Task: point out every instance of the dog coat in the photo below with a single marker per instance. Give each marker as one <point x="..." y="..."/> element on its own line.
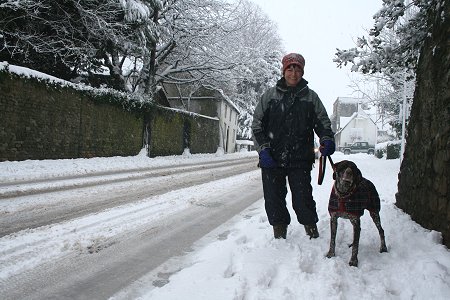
<point x="363" y="196"/>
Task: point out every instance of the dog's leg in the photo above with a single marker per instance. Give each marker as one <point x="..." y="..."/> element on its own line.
<point x="333" y="227"/>
<point x="356" y="222"/>
<point x="376" y="219"/>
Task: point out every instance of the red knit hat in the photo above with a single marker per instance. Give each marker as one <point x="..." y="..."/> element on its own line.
<point x="293" y="59"/>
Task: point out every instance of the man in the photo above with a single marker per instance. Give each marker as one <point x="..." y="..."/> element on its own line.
<point x="283" y="128"/>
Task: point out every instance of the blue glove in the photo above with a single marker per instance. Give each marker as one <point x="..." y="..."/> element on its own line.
<point x="266" y="160"/>
<point x="327" y="147"/>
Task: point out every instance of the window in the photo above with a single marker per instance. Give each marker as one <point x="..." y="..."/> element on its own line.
<point x="356" y="134"/>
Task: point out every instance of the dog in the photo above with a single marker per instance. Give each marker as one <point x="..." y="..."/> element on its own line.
<point x="350" y="196"/>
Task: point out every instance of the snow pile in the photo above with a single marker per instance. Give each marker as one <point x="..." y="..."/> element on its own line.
<point x="241" y="260"/>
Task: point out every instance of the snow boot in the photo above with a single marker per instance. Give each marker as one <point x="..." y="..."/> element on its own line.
<point x="279" y="231"/>
<point x="312" y="231"/>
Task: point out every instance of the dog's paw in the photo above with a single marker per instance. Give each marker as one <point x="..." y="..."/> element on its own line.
<point x="383" y="249"/>
<point x="353" y="262"/>
<point x="330" y="254"/>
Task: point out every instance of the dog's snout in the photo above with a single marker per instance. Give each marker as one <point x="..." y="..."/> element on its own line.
<point x="346" y="178"/>
<point x="347" y="175"/>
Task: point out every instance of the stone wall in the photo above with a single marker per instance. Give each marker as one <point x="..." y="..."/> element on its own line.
<point x="424" y="179"/>
<point x="39" y="120"/>
<point x="170" y="132"/>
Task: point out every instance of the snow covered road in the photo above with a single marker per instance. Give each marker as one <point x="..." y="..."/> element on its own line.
<point x="58" y="239"/>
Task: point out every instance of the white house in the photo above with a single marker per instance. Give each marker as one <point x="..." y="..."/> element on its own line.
<point x="358" y="127"/>
<point x="228" y="114"/>
<point x="244" y="145"/>
<point x="211" y="103"/>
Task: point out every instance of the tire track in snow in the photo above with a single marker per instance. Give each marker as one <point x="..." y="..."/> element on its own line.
<point x="48" y="185"/>
<point x="19" y="213"/>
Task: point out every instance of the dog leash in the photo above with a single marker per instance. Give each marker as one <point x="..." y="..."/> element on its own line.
<point x="322" y="167"/>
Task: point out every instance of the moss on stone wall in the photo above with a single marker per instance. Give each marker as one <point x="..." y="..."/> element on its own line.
<point x="42" y="120"/>
<point x="166" y="133"/>
<point x="108" y="130"/>
<point x="202" y="136"/>
<point x="172" y="132"/>
<point x="37" y="121"/>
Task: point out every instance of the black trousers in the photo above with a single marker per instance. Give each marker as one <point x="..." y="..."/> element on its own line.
<point x="275" y="191"/>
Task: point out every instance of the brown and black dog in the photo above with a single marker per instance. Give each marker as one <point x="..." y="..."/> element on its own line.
<point x="350" y="196"/>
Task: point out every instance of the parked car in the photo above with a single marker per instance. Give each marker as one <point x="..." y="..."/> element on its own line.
<point x="358" y="147"/>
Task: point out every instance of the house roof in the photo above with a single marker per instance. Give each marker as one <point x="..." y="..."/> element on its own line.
<point x="351" y="100"/>
<point x="244" y="142"/>
<point x="174" y="91"/>
<point x="343" y="121"/>
<point x="227" y="99"/>
<point x="361" y="114"/>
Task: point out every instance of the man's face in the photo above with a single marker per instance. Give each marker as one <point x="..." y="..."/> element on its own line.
<point x="292" y="75"/>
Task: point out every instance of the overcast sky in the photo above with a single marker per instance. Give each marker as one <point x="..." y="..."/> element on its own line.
<point x="315" y="29"/>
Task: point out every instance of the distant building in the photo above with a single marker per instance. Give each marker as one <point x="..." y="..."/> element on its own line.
<point x="343" y="109"/>
<point x="208" y="102"/>
<point x="244" y="145"/>
<point x="351" y="123"/>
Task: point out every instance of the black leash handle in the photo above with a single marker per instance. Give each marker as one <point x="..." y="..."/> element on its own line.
<point x="331" y="162"/>
<point x="322" y="167"/>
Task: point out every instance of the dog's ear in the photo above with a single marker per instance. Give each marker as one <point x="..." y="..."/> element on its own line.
<point x="337" y="167"/>
<point x="358" y="175"/>
<point x="356" y="172"/>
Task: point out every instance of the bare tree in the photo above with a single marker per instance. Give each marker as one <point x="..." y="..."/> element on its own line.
<point x="385" y="93"/>
<point x="233" y="47"/>
<point x="73" y="38"/>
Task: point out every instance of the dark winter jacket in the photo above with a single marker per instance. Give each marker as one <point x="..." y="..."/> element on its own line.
<point x="285" y="120"/>
<point x="364" y="196"/>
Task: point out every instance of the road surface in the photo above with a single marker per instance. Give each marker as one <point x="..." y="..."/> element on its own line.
<point x="130" y="222"/>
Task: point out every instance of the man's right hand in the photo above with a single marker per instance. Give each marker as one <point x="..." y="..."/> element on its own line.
<point x="266" y="160"/>
<point x="327" y="147"/>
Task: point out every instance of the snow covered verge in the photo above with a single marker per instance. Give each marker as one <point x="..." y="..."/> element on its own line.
<point x="241" y="260"/>
<point x="11" y="171"/>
